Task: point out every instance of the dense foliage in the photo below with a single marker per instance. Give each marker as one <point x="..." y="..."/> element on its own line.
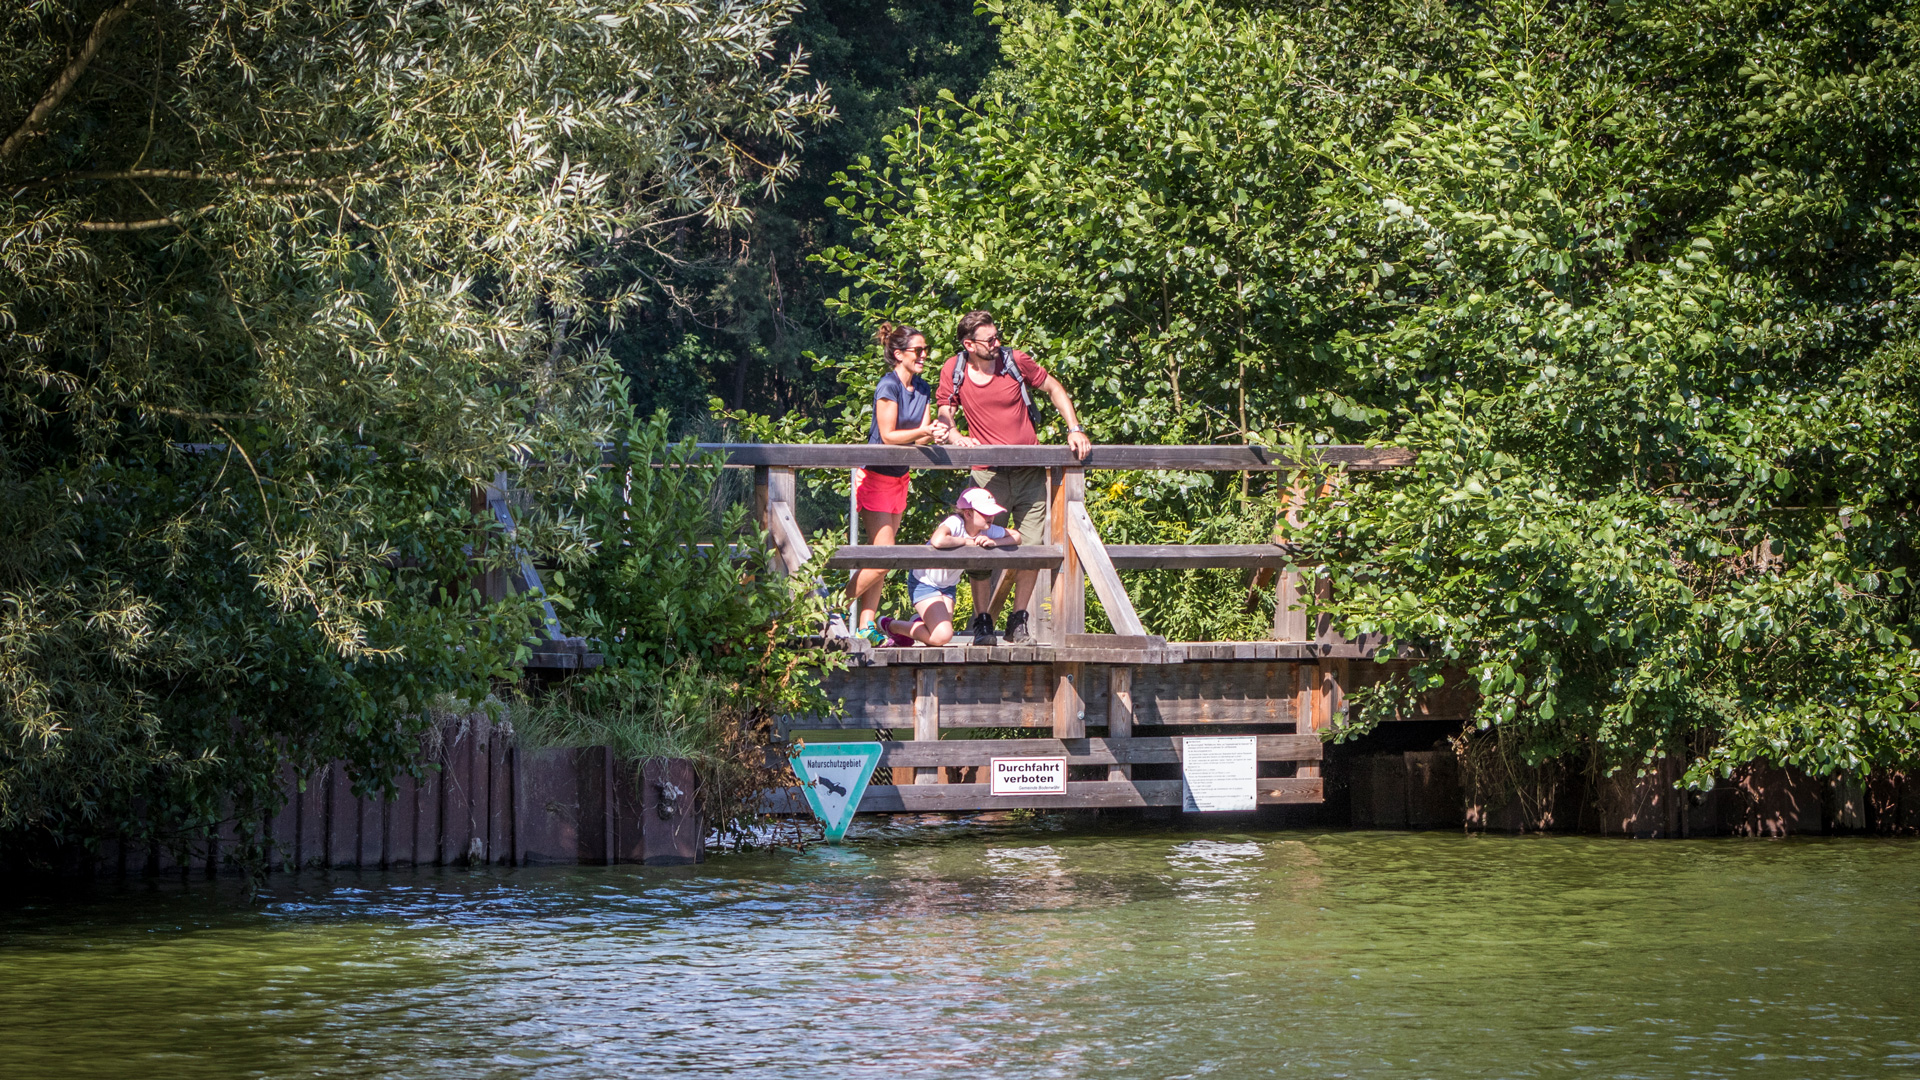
<point x="739" y="308"/>
<point x="280" y="284"/>
<point x="1635" y="280"/>
<point x="705" y="641"/>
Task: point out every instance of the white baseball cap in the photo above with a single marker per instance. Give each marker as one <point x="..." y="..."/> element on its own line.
<point x="979" y="498"/>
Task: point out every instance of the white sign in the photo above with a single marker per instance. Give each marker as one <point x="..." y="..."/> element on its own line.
<point x="1220" y="773"/>
<point x="1029" y="776"/>
<point x="834" y="776"/>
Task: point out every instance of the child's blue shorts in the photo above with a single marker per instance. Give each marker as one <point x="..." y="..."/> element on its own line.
<point x="918" y="591"/>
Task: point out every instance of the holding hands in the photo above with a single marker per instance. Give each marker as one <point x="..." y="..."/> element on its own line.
<point x="951" y="436"/>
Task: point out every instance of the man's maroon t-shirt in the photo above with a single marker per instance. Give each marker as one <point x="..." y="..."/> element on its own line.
<point x="995" y="414"/>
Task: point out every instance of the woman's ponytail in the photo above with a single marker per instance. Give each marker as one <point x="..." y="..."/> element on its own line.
<point x="893" y="337"/>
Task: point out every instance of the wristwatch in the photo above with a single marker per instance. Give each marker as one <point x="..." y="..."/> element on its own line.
<point x="1076" y="428"/>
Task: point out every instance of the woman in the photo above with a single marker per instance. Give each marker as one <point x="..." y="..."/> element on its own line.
<point x="900" y="418"/>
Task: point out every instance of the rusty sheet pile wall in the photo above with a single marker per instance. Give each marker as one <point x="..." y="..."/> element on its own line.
<point x="481" y="800"/>
<point x="1435" y="789"/>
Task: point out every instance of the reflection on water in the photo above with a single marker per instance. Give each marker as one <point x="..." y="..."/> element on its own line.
<point x="1007" y="950"/>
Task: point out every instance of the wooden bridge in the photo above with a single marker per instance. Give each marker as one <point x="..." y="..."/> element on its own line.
<point x="1116" y="706"/>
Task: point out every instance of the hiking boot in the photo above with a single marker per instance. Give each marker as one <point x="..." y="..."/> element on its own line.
<point x="981" y="628"/>
<point x="1018" y="633"/>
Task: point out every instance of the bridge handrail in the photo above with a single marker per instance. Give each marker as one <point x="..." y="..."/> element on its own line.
<point x="1073" y="555"/>
<point x="1183" y="458"/>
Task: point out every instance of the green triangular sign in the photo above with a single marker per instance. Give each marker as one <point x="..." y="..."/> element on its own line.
<point x="834" y="776"/>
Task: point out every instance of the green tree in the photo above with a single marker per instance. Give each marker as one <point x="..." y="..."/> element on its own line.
<point x="741" y="308"/>
<point x="1635" y="281"/>
<point x="280" y="283"/>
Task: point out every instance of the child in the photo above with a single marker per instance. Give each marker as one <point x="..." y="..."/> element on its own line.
<point x="933" y="591"/>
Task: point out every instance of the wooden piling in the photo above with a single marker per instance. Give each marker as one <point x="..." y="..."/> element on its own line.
<point x="926" y="719"/>
<point x="1119" y="714"/>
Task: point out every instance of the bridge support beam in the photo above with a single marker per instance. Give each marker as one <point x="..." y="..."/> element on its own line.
<point x="1068" y="599"/>
<point x="926" y="719"/>
<point x="1069" y="702"/>
<point x="1119" y="714"/>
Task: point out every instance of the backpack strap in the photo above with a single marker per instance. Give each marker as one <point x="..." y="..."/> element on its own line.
<point x="1007" y="367"/>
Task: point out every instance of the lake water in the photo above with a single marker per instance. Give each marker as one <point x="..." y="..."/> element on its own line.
<point x="1011" y="950"/>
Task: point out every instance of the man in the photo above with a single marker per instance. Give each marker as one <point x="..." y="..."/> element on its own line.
<point x="993" y="387"/>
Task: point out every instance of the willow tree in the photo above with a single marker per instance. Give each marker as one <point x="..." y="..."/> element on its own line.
<point x="280" y="282"/>
<point x="1635" y="280"/>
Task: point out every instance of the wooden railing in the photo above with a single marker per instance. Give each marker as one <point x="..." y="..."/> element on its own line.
<point x="1180" y="458"/>
<point x="1072" y="554"/>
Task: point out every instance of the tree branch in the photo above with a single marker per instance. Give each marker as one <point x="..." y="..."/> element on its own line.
<point x="185" y="174"/>
<point x="324" y="187"/>
<point x="337" y="148"/>
<point x="63" y="85"/>
<point x="137" y="226"/>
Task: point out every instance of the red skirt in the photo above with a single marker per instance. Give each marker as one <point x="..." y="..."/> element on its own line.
<point x="882" y="494"/>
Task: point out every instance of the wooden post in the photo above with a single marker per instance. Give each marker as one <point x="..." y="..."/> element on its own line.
<point x="1070" y="584"/>
<point x="1289" y="618"/>
<point x="853" y="538"/>
<point x="926" y="718"/>
<point x="1322" y="696"/>
<point x="1069" y="704"/>
<point x="763" y="513"/>
<point x="1305" y="702"/>
<point x="1290" y="622"/>
<point x="780" y="486"/>
<point x="776" y="500"/>
<point x="762" y="494"/>
<point x="1119" y="714"/>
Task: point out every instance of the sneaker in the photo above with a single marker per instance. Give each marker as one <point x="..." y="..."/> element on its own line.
<point x="872" y="634"/>
<point x="896" y="632"/>
<point x="981" y="628"/>
<point x="1018" y="633"/>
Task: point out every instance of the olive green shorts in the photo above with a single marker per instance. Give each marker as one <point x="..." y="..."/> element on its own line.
<point x="1023" y="491"/>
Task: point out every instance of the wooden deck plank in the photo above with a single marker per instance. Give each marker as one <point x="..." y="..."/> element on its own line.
<point x="1018" y="695"/>
<point x="1160" y="750"/>
<point x="1292" y="790"/>
<point x="1085" y="794"/>
<point x="1215" y="692"/>
<point x="1173" y="652"/>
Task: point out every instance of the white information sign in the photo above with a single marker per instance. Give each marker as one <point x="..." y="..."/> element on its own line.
<point x="1220" y="773"/>
<point x="1028" y="776"/>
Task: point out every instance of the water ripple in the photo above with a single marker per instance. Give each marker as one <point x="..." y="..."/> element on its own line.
<point x="1010" y="948"/>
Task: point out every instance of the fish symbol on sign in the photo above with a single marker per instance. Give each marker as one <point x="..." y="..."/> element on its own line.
<point x="830" y="786"/>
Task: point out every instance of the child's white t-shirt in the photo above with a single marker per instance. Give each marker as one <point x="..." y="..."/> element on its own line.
<point x="943" y="577"/>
